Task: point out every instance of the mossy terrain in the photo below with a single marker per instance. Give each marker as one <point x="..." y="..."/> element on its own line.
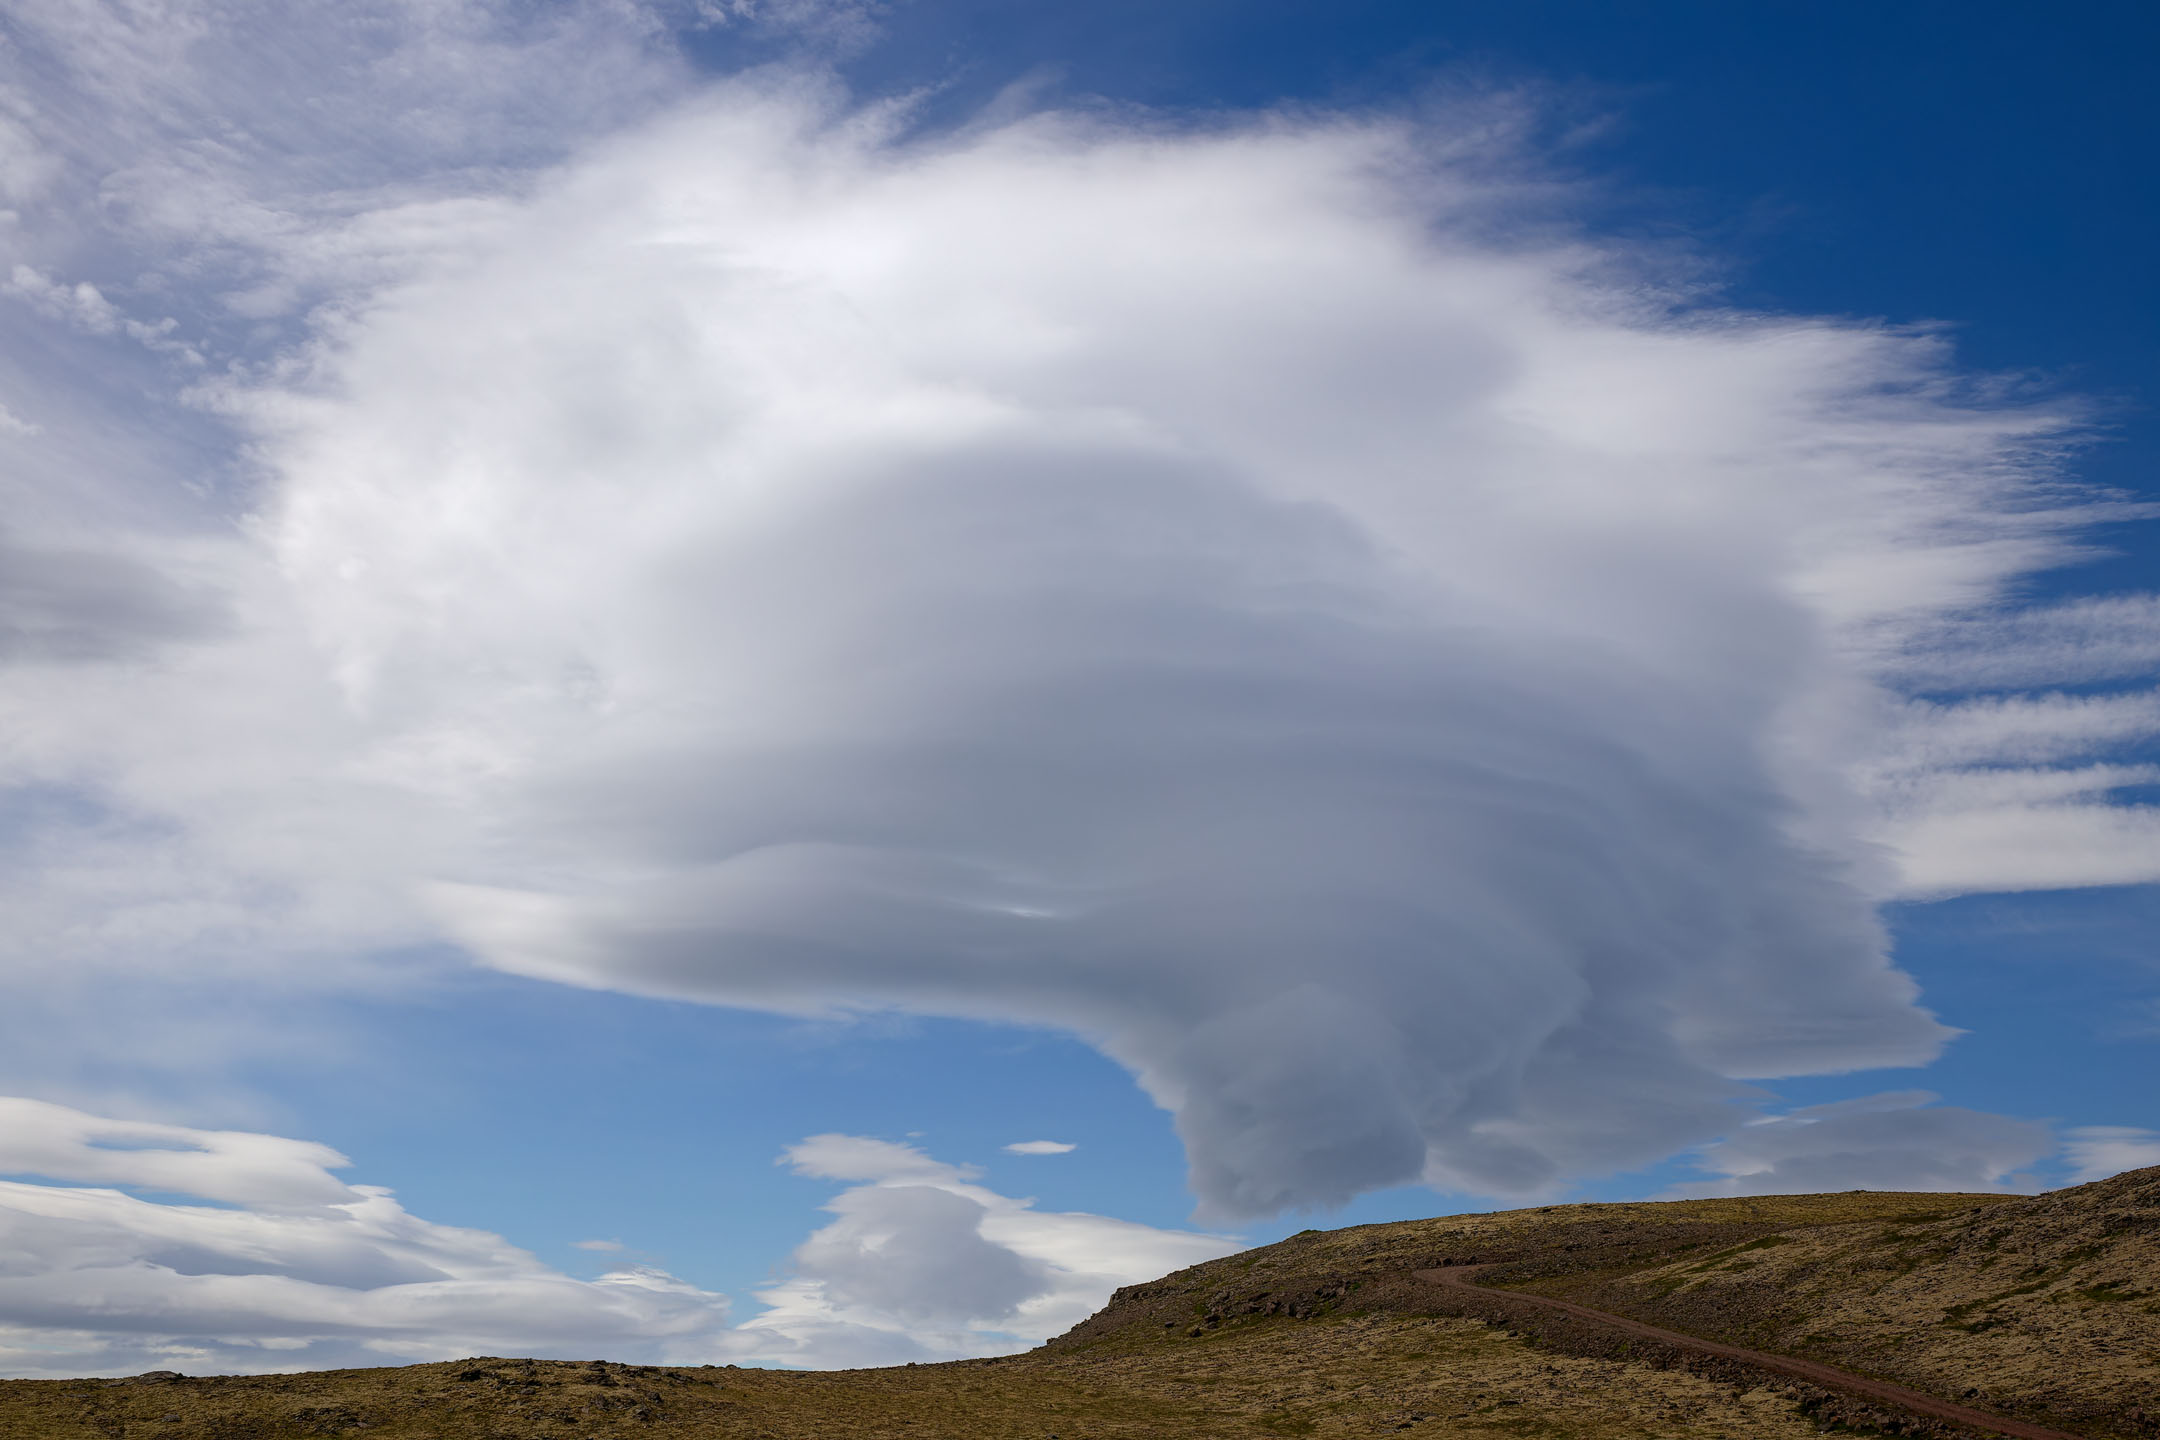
<point x="1325" y="1334"/>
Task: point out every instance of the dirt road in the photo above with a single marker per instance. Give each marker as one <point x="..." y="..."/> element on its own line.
<point x="1915" y="1401"/>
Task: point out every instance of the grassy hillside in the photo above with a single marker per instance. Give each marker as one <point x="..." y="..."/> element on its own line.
<point x="2047" y="1308"/>
<point x="2048" y="1301"/>
<point x="1369" y="1267"/>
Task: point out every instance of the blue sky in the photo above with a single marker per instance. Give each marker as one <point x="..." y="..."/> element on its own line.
<point x="643" y="620"/>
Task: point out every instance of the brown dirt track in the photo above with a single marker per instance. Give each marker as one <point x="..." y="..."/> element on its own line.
<point x="1460" y="1277"/>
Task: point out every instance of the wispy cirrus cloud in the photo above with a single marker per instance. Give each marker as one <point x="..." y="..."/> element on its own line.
<point x="2011" y="785"/>
<point x="2093" y="639"/>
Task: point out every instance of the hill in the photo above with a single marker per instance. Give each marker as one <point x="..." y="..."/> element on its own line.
<point x="2044" y="1308"/>
<point x="2047" y="1308"/>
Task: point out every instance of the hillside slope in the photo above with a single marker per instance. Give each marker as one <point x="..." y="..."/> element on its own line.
<point x="1371" y="1267"/>
<point x="2046" y="1308"/>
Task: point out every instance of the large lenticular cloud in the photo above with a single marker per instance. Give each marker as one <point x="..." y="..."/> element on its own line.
<point x="1390" y="682"/>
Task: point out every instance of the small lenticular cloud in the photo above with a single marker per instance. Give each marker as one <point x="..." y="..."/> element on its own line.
<point x="1040" y="1147"/>
<point x="612" y="1247"/>
<point x="2098" y="1151"/>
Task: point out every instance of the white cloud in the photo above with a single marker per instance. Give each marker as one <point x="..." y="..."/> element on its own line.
<point x="288" y="1267"/>
<point x="2098" y="1151"/>
<point x="605" y="1247"/>
<point x="2023" y="829"/>
<point x="1427" y="704"/>
<point x="858" y="1157"/>
<point x="1897" y="1141"/>
<point x="144" y="1245"/>
<point x="1997" y="731"/>
<point x="1040" y="1147"/>
<point x="1353" y="670"/>
<point x="2098" y="638"/>
<point x="84" y="307"/>
<point x="921" y="1263"/>
<point x="80" y="304"/>
<point x="235" y="1167"/>
<point x="840" y="26"/>
<point x="2019" y="791"/>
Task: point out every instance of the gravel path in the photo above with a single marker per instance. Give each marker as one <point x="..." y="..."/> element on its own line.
<point x="1918" y="1402"/>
